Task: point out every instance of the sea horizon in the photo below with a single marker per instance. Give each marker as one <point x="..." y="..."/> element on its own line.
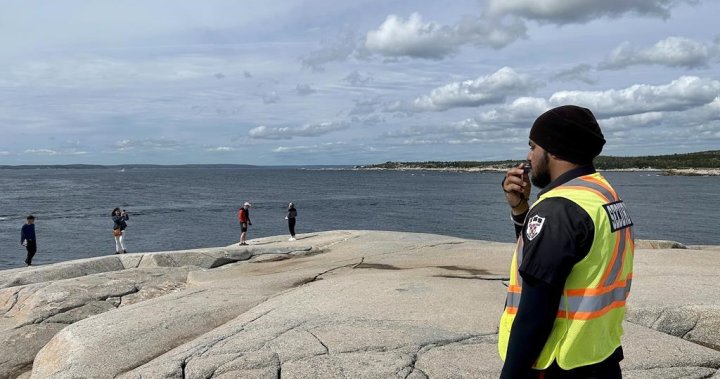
<point x="185" y="208"/>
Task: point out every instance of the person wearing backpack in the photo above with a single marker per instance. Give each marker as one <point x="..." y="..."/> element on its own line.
<point x="244" y="218"/>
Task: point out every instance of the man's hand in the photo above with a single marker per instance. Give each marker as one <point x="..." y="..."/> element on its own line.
<point x="517" y="189"/>
<point x="24" y="243"/>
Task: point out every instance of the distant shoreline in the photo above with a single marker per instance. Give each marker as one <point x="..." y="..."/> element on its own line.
<point x="420" y="167"/>
<point x="665" y="172"/>
<point x="702" y="163"/>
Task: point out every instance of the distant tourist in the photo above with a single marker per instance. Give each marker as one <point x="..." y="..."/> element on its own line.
<point x="573" y="262"/>
<point x="244" y="218"/>
<point x="119" y="218"/>
<point x="291" y="215"/>
<point x="27" y="239"/>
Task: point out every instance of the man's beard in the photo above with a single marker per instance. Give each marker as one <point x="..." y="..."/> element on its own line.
<point x="541" y="175"/>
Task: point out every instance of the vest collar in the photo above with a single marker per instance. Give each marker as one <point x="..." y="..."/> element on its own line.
<point x="568" y="176"/>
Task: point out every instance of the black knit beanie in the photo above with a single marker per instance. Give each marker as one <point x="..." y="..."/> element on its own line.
<point x="569" y="132"/>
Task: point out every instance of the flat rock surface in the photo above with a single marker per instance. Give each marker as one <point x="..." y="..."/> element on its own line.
<point x="355" y="304"/>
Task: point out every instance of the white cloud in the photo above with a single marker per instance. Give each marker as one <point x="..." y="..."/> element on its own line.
<point x="421" y="141"/>
<point x="324" y="147"/>
<point x="220" y="149"/>
<point x="620" y="123"/>
<point x="683" y="93"/>
<point x="41" y="151"/>
<point x="148" y="144"/>
<point x="414" y="38"/>
<point x="467" y="132"/>
<point x="489" y="89"/>
<point x="643" y="102"/>
<point x="397" y="37"/>
<point x="519" y="113"/>
<point x="307" y="130"/>
<point x="581" y="11"/>
<point x="672" y="52"/>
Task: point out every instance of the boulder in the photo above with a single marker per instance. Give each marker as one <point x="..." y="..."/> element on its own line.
<point x="59" y="271"/>
<point x="658" y="244"/>
<point x="109" y="344"/>
<point x="19" y="346"/>
<point x="36" y="312"/>
<point x="697" y="323"/>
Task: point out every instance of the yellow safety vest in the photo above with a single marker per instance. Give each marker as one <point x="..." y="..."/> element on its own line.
<point x="588" y="325"/>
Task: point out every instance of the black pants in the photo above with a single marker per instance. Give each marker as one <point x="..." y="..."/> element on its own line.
<point x="31" y="250"/>
<point x="291" y="226"/>
<point x="602" y="370"/>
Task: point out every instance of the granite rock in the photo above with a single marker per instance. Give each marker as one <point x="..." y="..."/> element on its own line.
<point x="363" y="304"/>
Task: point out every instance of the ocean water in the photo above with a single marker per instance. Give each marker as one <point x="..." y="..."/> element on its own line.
<point x="182" y="208"/>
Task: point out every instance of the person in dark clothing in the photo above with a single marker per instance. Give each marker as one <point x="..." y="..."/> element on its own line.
<point x="27" y="239"/>
<point x="292" y="214"/>
<point x="575" y="245"/>
<point x="119" y="218"/>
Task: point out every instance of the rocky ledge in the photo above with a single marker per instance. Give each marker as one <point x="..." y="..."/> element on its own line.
<point x="356" y="304"/>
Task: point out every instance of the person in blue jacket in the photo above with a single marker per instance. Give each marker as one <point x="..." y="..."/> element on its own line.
<point x="27" y="239"/>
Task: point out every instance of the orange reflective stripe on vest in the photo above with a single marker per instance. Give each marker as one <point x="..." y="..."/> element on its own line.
<point x="582" y="304"/>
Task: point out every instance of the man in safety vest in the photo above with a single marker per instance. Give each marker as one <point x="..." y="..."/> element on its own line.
<point x="572" y="268"/>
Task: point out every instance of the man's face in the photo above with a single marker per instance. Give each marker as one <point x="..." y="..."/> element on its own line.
<point x="31" y="221"/>
<point x="539" y="159"/>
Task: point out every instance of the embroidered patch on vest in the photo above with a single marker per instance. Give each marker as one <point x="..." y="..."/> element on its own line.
<point x="619" y="216"/>
<point x="534" y="226"/>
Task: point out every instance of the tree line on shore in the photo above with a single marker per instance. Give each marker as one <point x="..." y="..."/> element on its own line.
<point x="698" y="160"/>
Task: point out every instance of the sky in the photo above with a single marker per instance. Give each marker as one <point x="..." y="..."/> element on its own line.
<point x="291" y="82"/>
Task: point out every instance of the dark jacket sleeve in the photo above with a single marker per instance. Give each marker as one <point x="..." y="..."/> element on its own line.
<point x="562" y="235"/>
<point x="532" y="326"/>
<point x="22" y="234"/>
<point x="518" y="221"/>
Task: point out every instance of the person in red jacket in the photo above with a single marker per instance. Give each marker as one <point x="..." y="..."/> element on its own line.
<point x="244" y="218"/>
